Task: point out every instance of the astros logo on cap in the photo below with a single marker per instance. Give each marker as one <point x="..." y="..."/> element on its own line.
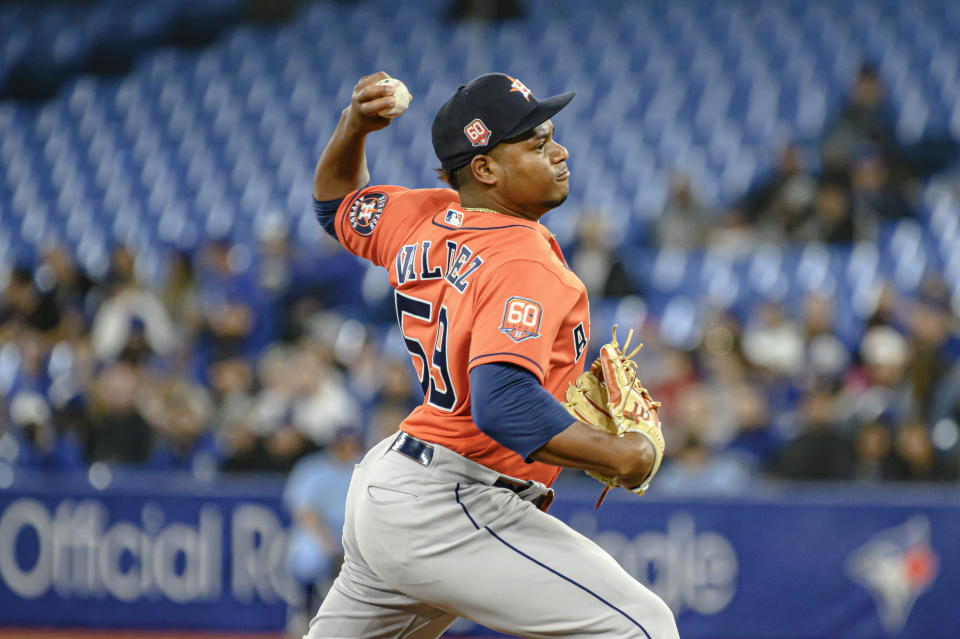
<point x="521" y="88"/>
<point x="477" y="132"/>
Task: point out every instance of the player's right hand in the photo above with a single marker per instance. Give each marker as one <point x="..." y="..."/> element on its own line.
<point x="368" y="100"/>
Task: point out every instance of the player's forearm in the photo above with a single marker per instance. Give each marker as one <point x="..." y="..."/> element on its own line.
<point x="342" y="167"/>
<point x="629" y="457"/>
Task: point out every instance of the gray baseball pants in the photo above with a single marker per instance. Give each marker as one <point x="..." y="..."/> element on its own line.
<point x="427" y="540"/>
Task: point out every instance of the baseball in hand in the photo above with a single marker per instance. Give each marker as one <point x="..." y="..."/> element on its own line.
<point x="400" y="93"/>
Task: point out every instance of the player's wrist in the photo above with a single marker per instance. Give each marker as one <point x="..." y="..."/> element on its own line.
<point x="641" y="458"/>
<point x="353" y="124"/>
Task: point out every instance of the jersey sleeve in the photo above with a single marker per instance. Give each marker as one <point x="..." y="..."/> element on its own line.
<point x="518" y="313"/>
<point x="370" y="222"/>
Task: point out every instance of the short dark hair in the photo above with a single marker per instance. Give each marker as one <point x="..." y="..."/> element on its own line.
<point x="456" y="178"/>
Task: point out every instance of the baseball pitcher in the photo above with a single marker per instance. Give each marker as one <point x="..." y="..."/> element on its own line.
<point x="447" y="517"/>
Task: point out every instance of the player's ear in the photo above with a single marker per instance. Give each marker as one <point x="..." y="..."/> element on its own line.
<point x="483" y="170"/>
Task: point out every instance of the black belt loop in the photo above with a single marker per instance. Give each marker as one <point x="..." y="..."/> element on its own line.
<point x="422" y="453"/>
<point x="419" y="451"/>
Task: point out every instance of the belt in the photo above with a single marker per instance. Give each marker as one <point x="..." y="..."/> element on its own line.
<point x="422" y="453"/>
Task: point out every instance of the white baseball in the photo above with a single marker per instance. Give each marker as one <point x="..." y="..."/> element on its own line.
<point x="400" y="93"/>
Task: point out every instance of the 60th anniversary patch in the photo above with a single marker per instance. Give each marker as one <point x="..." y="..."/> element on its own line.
<point x="365" y="212"/>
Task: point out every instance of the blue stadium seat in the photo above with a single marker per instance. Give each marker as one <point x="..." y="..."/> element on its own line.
<point x="714" y="90"/>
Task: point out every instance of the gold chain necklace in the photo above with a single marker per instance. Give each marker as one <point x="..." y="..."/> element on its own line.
<point x="480" y="209"/>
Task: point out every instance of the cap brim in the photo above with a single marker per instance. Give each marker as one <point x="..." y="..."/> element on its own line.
<point x="545" y="110"/>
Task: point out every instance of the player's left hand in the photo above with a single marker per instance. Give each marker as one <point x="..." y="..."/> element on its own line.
<point x="609" y="397"/>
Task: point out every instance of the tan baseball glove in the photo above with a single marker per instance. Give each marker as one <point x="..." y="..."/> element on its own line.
<point x="609" y="397"/>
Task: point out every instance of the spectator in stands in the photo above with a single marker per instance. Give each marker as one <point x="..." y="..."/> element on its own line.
<point x="26" y="356"/>
<point x="866" y="122"/>
<point x="874" y="199"/>
<point x="671" y="374"/>
<point x="889" y="309"/>
<point x="23" y="305"/>
<point x="874" y="454"/>
<point x="820" y="452"/>
<point x="918" y="459"/>
<point x="127" y="309"/>
<point x="276" y="256"/>
<point x="231" y="382"/>
<point x="226" y="329"/>
<point x="277" y="391"/>
<point x="696" y="414"/>
<point x="183" y="440"/>
<point x="732" y="234"/>
<point x="322" y="404"/>
<point x="39" y="445"/>
<point x="315" y="495"/>
<point x="756" y="442"/>
<point x="268" y="439"/>
<point x="385" y="422"/>
<point x="933" y="349"/>
<point x="119" y="433"/>
<point x="774" y="342"/>
<point x="830" y="220"/>
<point x="244" y="449"/>
<point x="286" y="445"/>
<point x="229" y="304"/>
<point x="880" y="389"/>
<point x="397" y="388"/>
<point x="180" y="295"/>
<point x="827" y="357"/>
<point x="684" y="222"/>
<point x="222" y="270"/>
<point x="275" y="274"/>
<point x="595" y="259"/>
<point x="67" y="284"/>
<point x="780" y="204"/>
<point x="697" y="470"/>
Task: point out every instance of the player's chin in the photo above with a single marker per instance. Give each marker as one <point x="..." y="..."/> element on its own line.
<point x="555" y="202"/>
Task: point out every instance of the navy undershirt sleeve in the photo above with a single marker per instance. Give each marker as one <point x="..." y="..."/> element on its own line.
<point x="511" y="407"/>
<point x="326" y="214"/>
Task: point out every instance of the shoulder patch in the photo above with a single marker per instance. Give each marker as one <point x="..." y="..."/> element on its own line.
<point x="453" y="217"/>
<point x="521" y="319"/>
<point x="365" y="212"/>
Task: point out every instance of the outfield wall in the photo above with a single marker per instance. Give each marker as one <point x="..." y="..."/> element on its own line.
<point x="162" y="551"/>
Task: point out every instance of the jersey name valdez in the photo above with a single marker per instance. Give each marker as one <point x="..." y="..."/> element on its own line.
<point x="470" y="288"/>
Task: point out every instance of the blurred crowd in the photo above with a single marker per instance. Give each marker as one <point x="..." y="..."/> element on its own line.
<point x="250" y="358"/>
<point x="799" y="395"/>
<point x="839" y="189"/>
<point x="226" y="366"/>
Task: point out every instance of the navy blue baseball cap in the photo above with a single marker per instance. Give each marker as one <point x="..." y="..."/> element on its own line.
<point x="483" y="113"/>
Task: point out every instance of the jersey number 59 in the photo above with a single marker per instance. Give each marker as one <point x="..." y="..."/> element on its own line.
<point x="423" y="310"/>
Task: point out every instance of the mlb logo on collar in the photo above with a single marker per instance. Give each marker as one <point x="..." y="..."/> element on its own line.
<point x="453" y="217"/>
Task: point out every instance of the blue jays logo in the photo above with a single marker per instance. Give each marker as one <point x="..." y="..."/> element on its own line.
<point x="453" y="217"/>
<point x="896" y="565"/>
<point x="521" y="319"/>
<point x="365" y="212"/>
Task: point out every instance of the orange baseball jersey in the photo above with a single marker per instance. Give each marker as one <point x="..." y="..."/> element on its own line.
<point x="471" y="288"/>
